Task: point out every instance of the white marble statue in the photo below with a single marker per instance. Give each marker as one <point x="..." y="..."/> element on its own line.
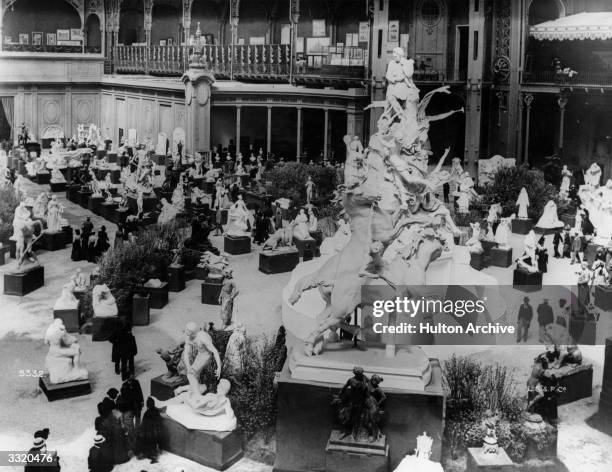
<point x="168" y="212"/>
<point x="487" y="168"/>
<point x="67" y="300"/>
<point x="456" y="172"/>
<point x="63" y="359"/>
<point x="466" y="192"/>
<point x="492" y="218"/>
<point x="309" y="190"/>
<point x="237" y="219"/>
<point x="57" y="177"/>
<point x="523" y="202"/>
<point x="474" y="245"/>
<point x="301" y="229"/>
<point x="234" y="352"/>
<point x="420" y="461"/>
<point x="39" y="210"/>
<point x="565" y="182"/>
<point x="103" y="302"/>
<point x="21" y="218"/>
<point x="313" y="222"/>
<point x="54" y="215"/>
<point x="339" y="240"/>
<point x="528" y="261"/>
<point x="178" y="198"/>
<point x="502" y="234"/>
<point x="592" y="176"/>
<point x="549" y="218"/>
<point x="598" y="202"/>
<point x="80" y="280"/>
<point x="94" y="185"/>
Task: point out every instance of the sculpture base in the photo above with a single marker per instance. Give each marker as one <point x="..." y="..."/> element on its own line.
<point x="301" y="436"/>
<point x="527" y="281"/>
<point x="346" y="454"/>
<point x="43" y="179"/>
<point x="277" y="262"/>
<point x="164" y="390"/>
<point x="72" y="193"/>
<point x="603" y="297"/>
<point x="211" y="449"/>
<point x="102" y="327"/>
<point x="140" y="310"/>
<point x="211" y="288"/>
<point x="22" y="283"/>
<point x="501" y="257"/>
<point x="176" y="278"/>
<point x="63" y="390"/>
<point x="575" y="385"/>
<point x="53" y="241"/>
<point x="410" y="369"/>
<point x="236" y="245"/>
<point x="480" y="461"/>
<point x="58" y="186"/>
<point x="307" y="245"/>
<point x="478" y="261"/>
<point x="488" y="246"/>
<point x="522" y="225"/>
<point x="108" y="210"/>
<point x="546" y="231"/>
<point x="12" y="245"/>
<point x="200" y="273"/>
<point x="120" y="215"/>
<point x="68" y="233"/>
<point x="70" y="317"/>
<point x="83" y="197"/>
<point x="158" y="296"/>
<point x="95" y="204"/>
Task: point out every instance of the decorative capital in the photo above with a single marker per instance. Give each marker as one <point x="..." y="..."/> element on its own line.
<point x="562" y="101"/>
<point x="528" y="99"/>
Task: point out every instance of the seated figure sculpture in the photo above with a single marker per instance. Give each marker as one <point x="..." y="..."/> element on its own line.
<point x="301" y="229"/>
<point x="103" y="302"/>
<point x="474" y="244"/>
<point x="168" y="212"/>
<point x="62" y="361"/>
<point x="67" y="300"/>
<point x="237" y="219"/>
<point x="549" y="218"/>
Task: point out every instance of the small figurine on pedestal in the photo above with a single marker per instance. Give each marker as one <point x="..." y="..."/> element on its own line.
<point x="528" y="261"/>
<point x="67" y="300"/>
<point x="549" y="218"/>
<point x="523" y="202"/>
<point x="237" y="219"/>
<point x="54" y="215"/>
<point x="309" y="190"/>
<point x="420" y="461"/>
<point x="168" y="212"/>
<point x="474" y="245"/>
<point x="493" y="220"/>
<point x="503" y="231"/>
<point x="229" y="291"/>
<point x="489" y="445"/>
<point x="103" y="302"/>
<point x="565" y="182"/>
<point x="62" y="361"/>
<point x="592" y="176"/>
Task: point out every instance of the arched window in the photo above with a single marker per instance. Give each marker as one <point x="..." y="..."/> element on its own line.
<point x="431" y="12"/>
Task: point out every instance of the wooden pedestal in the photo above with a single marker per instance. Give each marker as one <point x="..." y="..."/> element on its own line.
<point x="84" y="197"/>
<point x="53" y="241"/>
<point x="43" y="179"/>
<point x="236" y="244"/>
<point x="603" y="297"/>
<point x="276" y="262"/>
<point x="158" y="296"/>
<point x="72" y="193"/>
<point x="164" y="390"/>
<point x="70" y="317"/>
<point x="95" y="204"/>
<point x="140" y="310"/>
<point x="108" y="210"/>
<point x="57" y="186"/>
<point x="24" y="282"/>
<point x="176" y="278"/>
<point x="303" y="245"/>
<point x="501" y="257"/>
<point x="575" y="385"/>
<point x="211" y="288"/>
<point x="63" y="390"/>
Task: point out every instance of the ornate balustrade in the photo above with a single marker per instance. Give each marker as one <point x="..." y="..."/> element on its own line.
<point x="581" y="78"/>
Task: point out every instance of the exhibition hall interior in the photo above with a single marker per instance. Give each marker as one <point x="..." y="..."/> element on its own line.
<point x="306" y="235"/>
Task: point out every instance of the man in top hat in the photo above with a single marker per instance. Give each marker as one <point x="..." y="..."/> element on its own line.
<point x="525" y="315"/>
<point x="38" y="452"/>
<point x="100" y="457"/>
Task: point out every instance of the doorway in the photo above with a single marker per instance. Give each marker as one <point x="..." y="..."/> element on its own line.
<point x="462" y="41"/>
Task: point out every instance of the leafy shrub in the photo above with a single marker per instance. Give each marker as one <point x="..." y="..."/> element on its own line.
<point x="507" y="185"/>
<point x="8" y="202"/>
<point x="289" y="181"/>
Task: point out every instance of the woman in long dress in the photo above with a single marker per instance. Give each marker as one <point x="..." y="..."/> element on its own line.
<point x="523" y="202"/>
<point x="54" y="211"/>
<point x="76" y="254"/>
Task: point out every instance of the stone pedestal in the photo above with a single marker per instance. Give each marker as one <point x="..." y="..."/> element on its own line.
<point x="200" y="273"/>
<point x="43" y="179"/>
<point x="67" y="230"/>
<point x="163" y="389"/>
<point x="211" y="288"/>
<point x="63" y="390"/>
<point x="522" y="225"/>
<point x="72" y="193"/>
<point x="70" y="317"/>
<point x="57" y="186"/>
<point x="83" y="196"/>
<point x="108" y="210"/>
<point x="346" y="454"/>
<point x="501" y="257"/>
<point x="24" y="282"/>
<point x="527" y="281"/>
<point x="121" y="215"/>
<point x="603" y="297"/>
<point x="488" y="246"/>
<point x="211" y="449"/>
<point x="479" y="461"/>
<point x="149" y="203"/>
<point x="53" y="241"/>
<point x="140" y="310"/>
<point x="478" y="261"/>
<point x="158" y="296"/>
<point x="103" y="327"/>
<point x="95" y="204"/>
<point x="305" y="421"/>
<point x="575" y="385"/>
<point x="276" y="262"/>
<point x="176" y="278"/>
<point x="304" y="244"/>
<point x="236" y="244"/>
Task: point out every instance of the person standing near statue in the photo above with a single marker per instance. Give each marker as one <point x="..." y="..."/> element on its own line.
<point x="525" y="316"/>
<point x="545" y="317"/>
<point x="229" y="291"/>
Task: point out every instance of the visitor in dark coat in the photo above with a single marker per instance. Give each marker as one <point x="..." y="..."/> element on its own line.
<point x="76" y="253"/>
<point x="149" y="434"/>
<point x="261" y="228"/>
<point x="102" y="244"/>
<point x="124" y="350"/>
<point x="587" y="227"/>
<point x="100" y="457"/>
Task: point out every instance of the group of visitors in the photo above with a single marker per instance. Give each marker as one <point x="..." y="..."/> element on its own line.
<point x="87" y="245"/>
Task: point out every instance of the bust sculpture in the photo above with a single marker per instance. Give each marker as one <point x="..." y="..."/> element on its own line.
<point x="103" y="302"/>
<point x="62" y="361"/>
<point x="420" y="461"/>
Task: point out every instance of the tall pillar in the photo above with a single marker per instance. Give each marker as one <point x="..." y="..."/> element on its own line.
<point x="326" y="133"/>
<point x="380" y="54"/>
<point x="186" y="21"/>
<point x="528" y="100"/>
<point x="148" y="20"/>
<point x="294" y="18"/>
<point x="238" y="119"/>
<point x="269" y="131"/>
<point x="354" y="122"/>
<point x="516" y="40"/>
<point x="562" y="102"/>
<point x="299" y="135"/>
<point x="473" y="98"/>
<point x="197" y="81"/>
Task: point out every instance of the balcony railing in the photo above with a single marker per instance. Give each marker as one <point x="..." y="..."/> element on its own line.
<point x="581" y="78"/>
<point x="12" y="47"/>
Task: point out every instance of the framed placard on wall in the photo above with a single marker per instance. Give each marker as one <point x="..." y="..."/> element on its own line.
<point x="37" y="39"/>
<point x="51" y="39"/>
<point x="76" y="34"/>
<point x="24" y="38"/>
<point x="393" y="36"/>
<point x="63" y="35"/>
<point x="364" y="31"/>
<point x="318" y="28"/>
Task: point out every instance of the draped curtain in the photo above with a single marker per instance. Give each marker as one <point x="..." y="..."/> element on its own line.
<point x="8" y="104"/>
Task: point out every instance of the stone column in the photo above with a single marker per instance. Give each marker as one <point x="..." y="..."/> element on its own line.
<point x="269" y="131"/>
<point x="562" y="102"/>
<point x="354" y="122"/>
<point x="238" y="119"/>
<point x="326" y="133"/>
<point x="379" y="17"/>
<point x="299" y="135"/>
<point x="187" y="20"/>
<point x="148" y="20"/>
<point x="528" y="100"/>
<point x="294" y="18"/>
<point x="197" y="81"/>
<point x="514" y="98"/>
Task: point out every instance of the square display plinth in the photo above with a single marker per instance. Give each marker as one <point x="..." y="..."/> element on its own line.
<point x="108" y="210"/>
<point x="176" y="278"/>
<point x="522" y="225"/>
<point x="70" y="317"/>
<point x="158" y="296"/>
<point x="488" y="246"/>
<point x="63" y="390"/>
<point x="218" y="450"/>
<point x="527" y="281"/>
<point x="84" y="197"/>
<point x="102" y="327"/>
<point x="277" y="262"/>
<point x="211" y="288"/>
<point x="43" y="179"/>
<point x="95" y="204"/>
<point x="603" y="297"/>
<point x="480" y="461"/>
<point x="163" y="389"/>
<point x="24" y="282"/>
<point x="72" y="193"/>
<point x="236" y="244"/>
<point x="478" y="261"/>
<point x="346" y="454"/>
<point x="54" y="241"/>
<point x="57" y="186"/>
<point x="501" y="257"/>
<point x="140" y="310"/>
